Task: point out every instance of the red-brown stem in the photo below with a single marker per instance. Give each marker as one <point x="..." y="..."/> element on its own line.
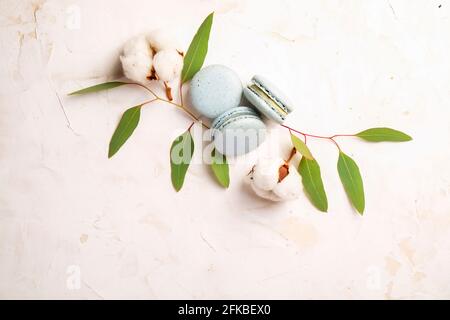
<point x="342" y="135"/>
<point x="145" y="87"/>
<point x="181" y="106"/>
<point x="168" y="91"/>
<point x="319" y="137"/>
<point x="189" y="129"/>
<point x="339" y="148"/>
<point x="293" y="151"/>
<point x="149" y="101"/>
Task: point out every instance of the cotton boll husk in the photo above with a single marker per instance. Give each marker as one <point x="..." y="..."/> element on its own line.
<point x="266" y="173"/>
<point x="290" y="187"/>
<point x="162" y="40"/>
<point x="137" y="59"/>
<point x="266" y="194"/>
<point x="168" y="64"/>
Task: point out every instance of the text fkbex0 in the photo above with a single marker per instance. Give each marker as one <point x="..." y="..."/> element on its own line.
<point x="235" y="309"/>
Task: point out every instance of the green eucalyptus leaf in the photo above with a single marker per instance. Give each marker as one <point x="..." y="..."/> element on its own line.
<point x="301" y="147"/>
<point x="125" y="128"/>
<point x="196" y="54"/>
<point x="220" y="168"/>
<point x="352" y="181"/>
<point x="313" y="184"/>
<point x="99" y="87"/>
<point x="181" y="153"/>
<point x="383" y="134"/>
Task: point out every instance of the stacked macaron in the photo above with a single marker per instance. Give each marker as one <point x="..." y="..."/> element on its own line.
<point x="268" y="99"/>
<point x="238" y="131"/>
<point x="216" y="93"/>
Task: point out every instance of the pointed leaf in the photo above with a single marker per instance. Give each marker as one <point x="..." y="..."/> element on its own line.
<point x="383" y="134"/>
<point x="352" y="181"/>
<point x="99" y="87"/>
<point x="220" y="168"/>
<point x="127" y="124"/>
<point x="196" y="54"/>
<point x="312" y="182"/>
<point x="301" y="147"/>
<point x="180" y="156"/>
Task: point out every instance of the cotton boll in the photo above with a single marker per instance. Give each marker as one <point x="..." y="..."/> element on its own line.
<point x="136" y="45"/>
<point x="168" y="64"/>
<point x="274" y="179"/>
<point x="136" y="67"/>
<point x="162" y="40"/>
<point x="266" y="173"/>
<point x="248" y="179"/>
<point x="265" y="194"/>
<point x="290" y="187"/>
<point x="137" y="59"/>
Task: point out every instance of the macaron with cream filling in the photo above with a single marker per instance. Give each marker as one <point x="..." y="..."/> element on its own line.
<point x="268" y="99"/>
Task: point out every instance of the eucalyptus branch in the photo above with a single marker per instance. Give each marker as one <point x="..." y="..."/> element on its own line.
<point x="178" y="105"/>
<point x="331" y="138"/>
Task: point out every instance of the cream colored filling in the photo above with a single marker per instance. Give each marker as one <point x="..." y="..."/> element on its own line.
<point x="263" y="95"/>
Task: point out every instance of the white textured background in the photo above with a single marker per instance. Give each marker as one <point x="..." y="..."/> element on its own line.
<point x="68" y="211"/>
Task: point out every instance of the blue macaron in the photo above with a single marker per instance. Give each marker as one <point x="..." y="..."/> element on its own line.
<point x="268" y="99"/>
<point x="238" y="131"/>
<point x="214" y="90"/>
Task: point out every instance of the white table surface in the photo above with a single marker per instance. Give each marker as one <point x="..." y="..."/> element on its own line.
<point x="74" y="224"/>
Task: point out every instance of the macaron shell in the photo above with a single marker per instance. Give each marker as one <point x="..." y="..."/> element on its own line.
<point x="234" y="112"/>
<point x="263" y="107"/>
<point x="240" y="137"/>
<point x="240" y="131"/>
<point x="215" y="89"/>
<point x="274" y="91"/>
